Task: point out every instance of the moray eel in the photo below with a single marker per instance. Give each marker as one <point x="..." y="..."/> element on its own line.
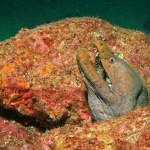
<point x="113" y="86"/>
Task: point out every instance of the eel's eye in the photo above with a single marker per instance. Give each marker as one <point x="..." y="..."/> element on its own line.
<point x="112" y="60"/>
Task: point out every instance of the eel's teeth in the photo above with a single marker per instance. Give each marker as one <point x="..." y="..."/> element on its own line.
<point x="109" y="83"/>
<point x="107" y="80"/>
<point x="101" y="70"/>
<point x="98" y="65"/>
<point x="96" y="52"/>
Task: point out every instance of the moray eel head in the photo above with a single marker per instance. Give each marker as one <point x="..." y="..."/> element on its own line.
<point x="113" y="86"/>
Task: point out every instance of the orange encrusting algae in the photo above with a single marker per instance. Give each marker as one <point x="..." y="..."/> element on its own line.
<point x="7" y="67"/>
<point x="21" y="83"/>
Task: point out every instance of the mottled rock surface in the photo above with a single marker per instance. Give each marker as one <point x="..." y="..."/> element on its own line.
<point x="14" y="136"/>
<point x="39" y="78"/>
<point x="130" y="132"/>
<point x="39" y="75"/>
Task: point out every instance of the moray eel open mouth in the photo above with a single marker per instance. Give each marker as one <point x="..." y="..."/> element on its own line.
<point x="114" y="87"/>
<point x="100" y="70"/>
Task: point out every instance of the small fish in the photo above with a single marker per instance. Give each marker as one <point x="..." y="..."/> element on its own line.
<point x="114" y="87"/>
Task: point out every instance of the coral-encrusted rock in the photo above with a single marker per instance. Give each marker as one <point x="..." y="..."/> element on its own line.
<point x="130" y="132"/>
<point x="13" y="136"/>
<point x="39" y="76"/>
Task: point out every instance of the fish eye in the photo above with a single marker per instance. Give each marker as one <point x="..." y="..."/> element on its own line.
<point x="112" y="60"/>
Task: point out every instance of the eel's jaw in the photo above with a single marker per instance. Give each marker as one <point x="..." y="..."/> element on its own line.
<point x="108" y="60"/>
<point x="100" y="110"/>
<point x="101" y="71"/>
<point x="95" y="77"/>
<point x="98" y="90"/>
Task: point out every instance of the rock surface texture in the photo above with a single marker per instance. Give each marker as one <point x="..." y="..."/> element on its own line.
<point x="39" y="78"/>
<point x="130" y="132"/>
<point x="13" y="136"/>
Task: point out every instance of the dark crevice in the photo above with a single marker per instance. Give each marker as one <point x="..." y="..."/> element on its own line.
<point x="26" y="121"/>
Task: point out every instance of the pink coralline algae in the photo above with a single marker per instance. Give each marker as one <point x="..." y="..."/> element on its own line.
<point x="14" y="136"/>
<point x="39" y="76"/>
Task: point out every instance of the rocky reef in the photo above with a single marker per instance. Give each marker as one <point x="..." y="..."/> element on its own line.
<point x="129" y="132"/>
<point x="40" y="79"/>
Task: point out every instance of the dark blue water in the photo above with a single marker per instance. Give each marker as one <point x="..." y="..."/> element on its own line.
<point x="15" y="14"/>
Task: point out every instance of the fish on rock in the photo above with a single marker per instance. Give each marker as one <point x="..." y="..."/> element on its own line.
<point x="113" y="86"/>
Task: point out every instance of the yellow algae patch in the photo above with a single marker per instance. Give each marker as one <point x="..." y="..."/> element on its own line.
<point x="2" y="52"/>
<point x="47" y="69"/>
<point x="7" y="67"/>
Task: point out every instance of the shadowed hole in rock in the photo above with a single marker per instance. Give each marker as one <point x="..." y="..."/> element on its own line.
<point x="27" y="121"/>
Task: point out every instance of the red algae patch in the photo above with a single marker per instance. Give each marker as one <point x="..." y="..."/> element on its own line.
<point x="38" y="70"/>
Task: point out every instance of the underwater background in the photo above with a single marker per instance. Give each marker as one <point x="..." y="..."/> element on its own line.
<point x="17" y="14"/>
